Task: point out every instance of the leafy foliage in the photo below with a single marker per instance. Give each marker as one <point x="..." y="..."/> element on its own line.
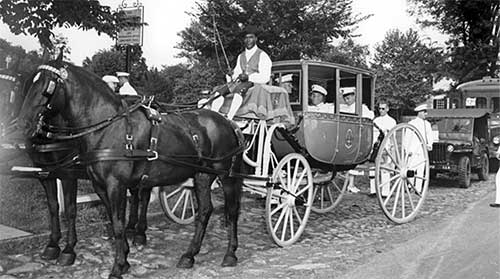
<point x="23" y="63"/>
<point x="347" y="53"/>
<point x="40" y="17"/>
<point x="405" y="69"/>
<point x="288" y="29"/>
<point x="474" y="27"/>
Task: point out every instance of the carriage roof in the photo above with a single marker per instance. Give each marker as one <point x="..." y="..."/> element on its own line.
<point x="324" y="64"/>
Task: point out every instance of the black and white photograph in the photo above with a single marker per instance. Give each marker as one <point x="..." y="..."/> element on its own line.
<point x="346" y="139"/>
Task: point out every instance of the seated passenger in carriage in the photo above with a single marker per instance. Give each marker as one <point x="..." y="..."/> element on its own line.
<point x="349" y="105"/>
<point x="111" y="81"/>
<point x="125" y="87"/>
<point x="317" y="100"/>
<point x="253" y="67"/>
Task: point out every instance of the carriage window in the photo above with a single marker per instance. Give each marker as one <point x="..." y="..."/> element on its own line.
<point x="480" y="102"/>
<point x="290" y="81"/>
<point x="495" y="104"/>
<point x="347" y="100"/>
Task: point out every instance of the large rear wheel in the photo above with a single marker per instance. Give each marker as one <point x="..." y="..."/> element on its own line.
<point x="288" y="202"/>
<point x="402" y="173"/>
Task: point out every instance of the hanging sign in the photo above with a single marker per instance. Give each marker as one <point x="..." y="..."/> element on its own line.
<point x="132" y="35"/>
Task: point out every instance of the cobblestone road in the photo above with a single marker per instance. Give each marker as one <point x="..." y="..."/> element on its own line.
<point x="332" y="244"/>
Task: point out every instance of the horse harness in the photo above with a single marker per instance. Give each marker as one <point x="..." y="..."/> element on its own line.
<point x="129" y="153"/>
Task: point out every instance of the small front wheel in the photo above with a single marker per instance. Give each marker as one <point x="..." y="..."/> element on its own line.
<point x="289" y="201"/>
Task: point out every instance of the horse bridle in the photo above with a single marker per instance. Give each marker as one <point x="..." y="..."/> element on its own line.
<point x="48" y="93"/>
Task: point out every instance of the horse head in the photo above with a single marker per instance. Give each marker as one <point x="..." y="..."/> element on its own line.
<point x="45" y="95"/>
<point x="60" y="88"/>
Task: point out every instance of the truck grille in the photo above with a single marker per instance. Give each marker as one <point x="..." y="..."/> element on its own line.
<point x="438" y="153"/>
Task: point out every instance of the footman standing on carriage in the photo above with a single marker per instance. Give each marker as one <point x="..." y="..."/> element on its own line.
<point x="253" y="66"/>
<point x="125" y="87"/>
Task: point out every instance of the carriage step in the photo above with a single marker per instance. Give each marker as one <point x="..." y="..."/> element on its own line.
<point x="9" y="232"/>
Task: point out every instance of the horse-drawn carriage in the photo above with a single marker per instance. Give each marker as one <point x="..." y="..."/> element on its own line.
<point x="297" y="158"/>
<point x="301" y="158"/>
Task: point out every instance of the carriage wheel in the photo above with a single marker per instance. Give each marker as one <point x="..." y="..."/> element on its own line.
<point x="178" y="203"/>
<point x="328" y="195"/>
<point x="402" y="173"/>
<point x="288" y="203"/>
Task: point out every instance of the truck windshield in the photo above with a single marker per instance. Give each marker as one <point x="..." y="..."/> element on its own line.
<point x="454" y="129"/>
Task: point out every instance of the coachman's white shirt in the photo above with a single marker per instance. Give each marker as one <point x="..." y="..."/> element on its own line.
<point x="265" y="65"/>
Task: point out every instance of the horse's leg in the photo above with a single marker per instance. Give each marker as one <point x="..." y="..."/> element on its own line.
<point x="68" y="255"/>
<point x="117" y="195"/>
<point x="202" y="184"/>
<point x="132" y="215"/>
<point x="101" y="192"/>
<point x="52" y="250"/>
<point x="142" y="225"/>
<point x="232" y="200"/>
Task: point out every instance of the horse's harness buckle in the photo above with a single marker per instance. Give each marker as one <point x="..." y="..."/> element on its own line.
<point x="155" y="155"/>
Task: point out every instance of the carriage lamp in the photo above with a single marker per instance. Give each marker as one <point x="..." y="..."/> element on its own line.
<point x="496" y="140"/>
<point x="450" y="148"/>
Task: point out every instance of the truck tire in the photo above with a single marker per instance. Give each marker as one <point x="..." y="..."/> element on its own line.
<point x="464" y="172"/>
<point x="482" y="171"/>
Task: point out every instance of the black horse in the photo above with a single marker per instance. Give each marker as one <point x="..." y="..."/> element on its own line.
<point x="197" y="144"/>
<point x="44" y="152"/>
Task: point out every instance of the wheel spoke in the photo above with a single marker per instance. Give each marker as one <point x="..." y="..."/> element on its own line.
<point x="395" y="147"/>
<point x="174" y="192"/>
<point x="301" y="191"/>
<point x="292" y="229"/>
<point x="417" y="165"/>
<point x="297" y="182"/>
<point x="280" y="218"/>
<point x="192" y="205"/>
<point x="388" y="181"/>
<point x="285" y="225"/>
<point x="294" y="179"/>
<point x="278" y="207"/>
<point x="410" y="199"/>
<point x="184" y="207"/>
<point x="387" y="169"/>
<point x="390" y="192"/>
<point x="403" y="215"/>
<point x="179" y="200"/>
<point x="415" y="189"/>
<point x="299" y="218"/>
<point x="396" y="200"/>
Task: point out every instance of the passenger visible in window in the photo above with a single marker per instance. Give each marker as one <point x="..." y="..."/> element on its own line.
<point x="349" y="106"/>
<point x="317" y="100"/>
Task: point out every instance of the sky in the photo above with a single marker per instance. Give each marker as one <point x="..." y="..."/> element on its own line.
<point x="168" y="17"/>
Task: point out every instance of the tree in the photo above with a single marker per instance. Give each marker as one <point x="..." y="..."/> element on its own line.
<point x="347" y="53"/>
<point x="288" y="29"/>
<point x="474" y="29"/>
<point x="406" y="69"/>
<point x="40" y="17"/>
<point x="23" y="63"/>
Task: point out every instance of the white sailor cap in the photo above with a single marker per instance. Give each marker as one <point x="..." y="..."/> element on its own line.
<point x="122" y="74"/>
<point x="347" y="90"/>
<point x="109" y="78"/>
<point x="286" y="78"/>
<point x="320" y="89"/>
<point x="421" y="107"/>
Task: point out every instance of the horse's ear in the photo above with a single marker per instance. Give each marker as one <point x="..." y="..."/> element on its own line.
<point x="60" y="56"/>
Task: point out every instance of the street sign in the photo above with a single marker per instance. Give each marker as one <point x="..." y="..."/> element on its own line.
<point x="132" y="35"/>
<point x="470" y="102"/>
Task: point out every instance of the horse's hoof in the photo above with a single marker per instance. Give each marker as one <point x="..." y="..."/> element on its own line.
<point x="185" y="262"/>
<point x="125" y="267"/>
<point x="114" y="276"/>
<point x="50" y="253"/>
<point x="67" y="258"/>
<point x="139" y="239"/>
<point x="229" y="261"/>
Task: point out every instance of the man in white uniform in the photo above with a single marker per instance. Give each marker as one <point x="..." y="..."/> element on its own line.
<point x="125" y="87"/>
<point x="349" y="105"/>
<point x="385" y="122"/>
<point x="412" y="144"/>
<point x="317" y="98"/>
<point x="111" y="81"/>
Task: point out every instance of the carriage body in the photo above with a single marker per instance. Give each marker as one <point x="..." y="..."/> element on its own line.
<point x="332" y="138"/>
